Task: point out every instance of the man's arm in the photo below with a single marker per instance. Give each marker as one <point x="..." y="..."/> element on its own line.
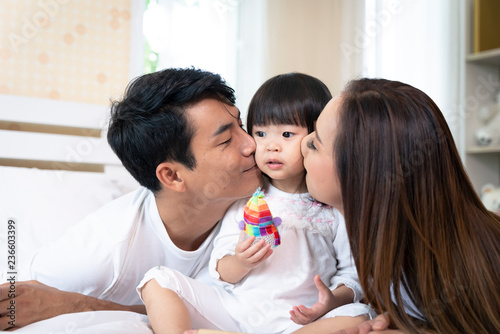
<point x="35" y="301"/>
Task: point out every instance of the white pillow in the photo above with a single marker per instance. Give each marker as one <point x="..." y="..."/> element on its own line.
<point x="42" y="204"/>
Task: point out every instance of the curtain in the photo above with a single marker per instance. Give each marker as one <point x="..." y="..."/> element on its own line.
<point x="252" y="51"/>
<point x="316" y="37"/>
<point x="419" y="43"/>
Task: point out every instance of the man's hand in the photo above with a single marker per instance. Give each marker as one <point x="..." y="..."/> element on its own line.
<point x="302" y="315"/>
<point x="35" y="301"/>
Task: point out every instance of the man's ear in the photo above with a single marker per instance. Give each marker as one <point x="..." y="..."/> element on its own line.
<point x="168" y="174"/>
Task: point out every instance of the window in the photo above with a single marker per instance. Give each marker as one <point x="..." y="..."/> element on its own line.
<point x="185" y="33"/>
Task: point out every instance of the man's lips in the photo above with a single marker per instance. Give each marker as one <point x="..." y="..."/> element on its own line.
<point x="254" y="167"/>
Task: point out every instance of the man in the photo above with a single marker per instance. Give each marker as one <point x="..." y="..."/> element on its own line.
<point x="179" y="134"/>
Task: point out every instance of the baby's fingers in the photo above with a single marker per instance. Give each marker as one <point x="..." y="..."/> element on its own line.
<point x="296" y="316"/>
<point x="299" y="315"/>
<point x="244" y="245"/>
<point x="262" y="251"/>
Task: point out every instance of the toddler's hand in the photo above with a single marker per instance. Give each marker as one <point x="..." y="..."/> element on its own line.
<point x="250" y="256"/>
<point x="302" y="315"/>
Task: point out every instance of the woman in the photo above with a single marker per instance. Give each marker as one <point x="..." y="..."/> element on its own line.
<point x="426" y="249"/>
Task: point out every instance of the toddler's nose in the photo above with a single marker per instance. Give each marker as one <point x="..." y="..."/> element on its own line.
<point x="273" y="147"/>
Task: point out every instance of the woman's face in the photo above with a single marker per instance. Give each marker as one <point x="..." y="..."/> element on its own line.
<point x="317" y="149"/>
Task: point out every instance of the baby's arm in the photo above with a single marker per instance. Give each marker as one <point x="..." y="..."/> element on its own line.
<point x="327" y="301"/>
<point x="232" y="268"/>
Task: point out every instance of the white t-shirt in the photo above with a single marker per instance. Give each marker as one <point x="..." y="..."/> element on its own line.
<point x="107" y="254"/>
<point x="313" y="241"/>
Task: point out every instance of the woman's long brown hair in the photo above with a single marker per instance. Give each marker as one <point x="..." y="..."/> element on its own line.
<point x="414" y="221"/>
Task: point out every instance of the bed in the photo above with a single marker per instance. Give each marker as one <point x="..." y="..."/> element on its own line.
<point x="55" y="168"/>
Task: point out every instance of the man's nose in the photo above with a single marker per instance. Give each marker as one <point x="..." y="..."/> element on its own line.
<point x="249" y="146"/>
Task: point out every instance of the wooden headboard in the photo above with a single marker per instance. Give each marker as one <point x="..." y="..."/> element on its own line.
<point x="51" y="134"/>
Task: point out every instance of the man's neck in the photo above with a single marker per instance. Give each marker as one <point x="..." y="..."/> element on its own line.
<point x="187" y="222"/>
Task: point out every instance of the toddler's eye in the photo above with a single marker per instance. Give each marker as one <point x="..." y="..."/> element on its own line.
<point x="287" y="134"/>
<point x="310" y="145"/>
<point x="260" y="134"/>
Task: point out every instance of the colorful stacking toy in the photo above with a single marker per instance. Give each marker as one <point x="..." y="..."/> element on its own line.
<point x="258" y="220"/>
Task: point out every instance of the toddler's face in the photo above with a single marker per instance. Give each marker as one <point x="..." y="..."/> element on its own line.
<point x="278" y="154"/>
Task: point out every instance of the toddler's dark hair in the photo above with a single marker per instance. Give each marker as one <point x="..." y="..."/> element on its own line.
<point x="292" y="98"/>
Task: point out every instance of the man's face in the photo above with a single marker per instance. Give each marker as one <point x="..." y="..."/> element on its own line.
<point x="224" y="152"/>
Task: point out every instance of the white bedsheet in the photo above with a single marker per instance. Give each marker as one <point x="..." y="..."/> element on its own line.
<point x="96" y="322"/>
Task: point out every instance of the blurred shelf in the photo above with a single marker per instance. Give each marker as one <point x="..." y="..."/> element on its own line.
<point x="489" y="57"/>
<point x="483" y="149"/>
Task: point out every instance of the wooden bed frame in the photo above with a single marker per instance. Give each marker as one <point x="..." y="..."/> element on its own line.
<point x="54" y="135"/>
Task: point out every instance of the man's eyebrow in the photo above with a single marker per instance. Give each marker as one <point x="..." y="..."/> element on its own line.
<point x="317" y="135"/>
<point x="227" y="126"/>
<point x="223" y="128"/>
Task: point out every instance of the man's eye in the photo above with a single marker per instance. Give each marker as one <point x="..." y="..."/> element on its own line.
<point x="226" y="142"/>
<point x="260" y="134"/>
<point x="310" y="145"/>
<point x="287" y="134"/>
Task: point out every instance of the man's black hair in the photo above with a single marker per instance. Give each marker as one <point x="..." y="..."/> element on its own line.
<point x="149" y="126"/>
